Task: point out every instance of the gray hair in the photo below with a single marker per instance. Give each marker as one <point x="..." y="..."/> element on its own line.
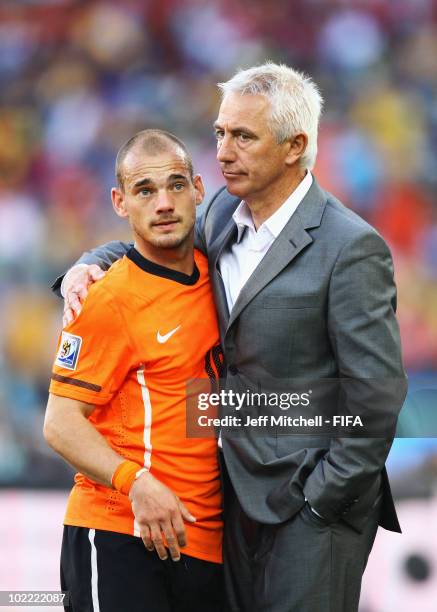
<point x="296" y="103"/>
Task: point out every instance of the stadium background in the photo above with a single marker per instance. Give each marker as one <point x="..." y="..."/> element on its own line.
<point x="78" y="78"/>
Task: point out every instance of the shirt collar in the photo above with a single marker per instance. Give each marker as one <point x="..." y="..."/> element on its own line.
<point x="276" y="222"/>
<point x="243" y="219"/>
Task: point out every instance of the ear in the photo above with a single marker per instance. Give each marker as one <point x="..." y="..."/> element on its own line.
<point x="199" y="189"/>
<point x="298" y="144"/>
<point x="118" y="202"/>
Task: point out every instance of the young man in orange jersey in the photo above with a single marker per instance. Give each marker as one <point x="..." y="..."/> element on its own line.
<point x="116" y="409"/>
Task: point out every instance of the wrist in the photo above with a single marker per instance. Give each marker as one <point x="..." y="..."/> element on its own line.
<point x="125" y="475"/>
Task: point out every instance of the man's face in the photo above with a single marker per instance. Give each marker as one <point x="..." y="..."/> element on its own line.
<point x="250" y="158"/>
<point x="159" y="197"/>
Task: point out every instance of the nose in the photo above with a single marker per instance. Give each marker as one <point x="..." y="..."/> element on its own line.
<point x="164" y="202"/>
<point x="225" y="149"/>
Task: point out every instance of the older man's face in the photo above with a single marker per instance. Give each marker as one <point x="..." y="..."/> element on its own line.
<point x="250" y="158"/>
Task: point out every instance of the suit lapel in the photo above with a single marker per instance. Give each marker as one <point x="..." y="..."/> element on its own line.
<point x="285" y="248"/>
<point x="226" y="237"/>
<point x="281" y="253"/>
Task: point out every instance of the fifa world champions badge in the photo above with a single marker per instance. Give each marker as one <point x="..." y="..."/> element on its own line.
<point x="68" y="352"/>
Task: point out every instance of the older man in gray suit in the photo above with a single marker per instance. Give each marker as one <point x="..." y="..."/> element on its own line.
<point x="304" y="289"/>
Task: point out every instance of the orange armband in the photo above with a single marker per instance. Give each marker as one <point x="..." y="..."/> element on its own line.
<point x="125" y="475"/>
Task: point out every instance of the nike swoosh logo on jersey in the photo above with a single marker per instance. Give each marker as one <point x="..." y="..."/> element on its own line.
<point x="162" y="339"/>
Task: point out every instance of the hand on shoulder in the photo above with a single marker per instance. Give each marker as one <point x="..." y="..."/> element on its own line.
<point x="75" y="287"/>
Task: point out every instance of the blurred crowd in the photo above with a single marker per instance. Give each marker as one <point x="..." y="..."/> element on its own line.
<point x="78" y="78"/>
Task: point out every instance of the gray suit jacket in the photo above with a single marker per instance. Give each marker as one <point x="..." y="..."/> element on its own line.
<point x="320" y="305"/>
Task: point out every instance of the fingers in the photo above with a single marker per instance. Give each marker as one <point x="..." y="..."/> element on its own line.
<point x="95" y="273"/>
<point x="185" y="514"/>
<point x="77" y="282"/>
<point x="72" y="308"/>
<point x="147" y="539"/>
<point x="174" y="537"/>
<point x="73" y="300"/>
<point x="179" y="529"/>
<point x="172" y="542"/>
<point x="79" y="293"/>
<point x="158" y="543"/>
<point x="68" y="317"/>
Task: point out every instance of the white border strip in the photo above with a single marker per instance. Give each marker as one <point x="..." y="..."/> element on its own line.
<point x="147" y="428"/>
<point x="94" y="572"/>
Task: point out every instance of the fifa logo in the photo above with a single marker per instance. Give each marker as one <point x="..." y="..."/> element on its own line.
<point x="68" y="352"/>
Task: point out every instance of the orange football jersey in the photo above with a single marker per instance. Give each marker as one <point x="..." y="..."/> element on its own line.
<point x="143" y="333"/>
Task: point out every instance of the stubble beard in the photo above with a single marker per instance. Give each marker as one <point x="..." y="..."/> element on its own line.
<point x="166" y="241"/>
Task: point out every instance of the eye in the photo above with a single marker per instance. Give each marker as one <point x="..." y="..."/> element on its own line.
<point x="243" y="137"/>
<point x="178" y="186"/>
<point x="144" y="192"/>
<point x="219" y="134"/>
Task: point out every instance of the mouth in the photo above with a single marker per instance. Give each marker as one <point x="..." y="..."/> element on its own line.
<point x="231" y="175"/>
<point x="166" y="225"/>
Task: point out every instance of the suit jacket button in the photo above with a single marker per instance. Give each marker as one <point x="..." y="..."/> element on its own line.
<point x="233" y="369"/>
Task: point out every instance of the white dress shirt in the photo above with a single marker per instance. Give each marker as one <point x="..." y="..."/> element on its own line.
<point x="239" y="261"/>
